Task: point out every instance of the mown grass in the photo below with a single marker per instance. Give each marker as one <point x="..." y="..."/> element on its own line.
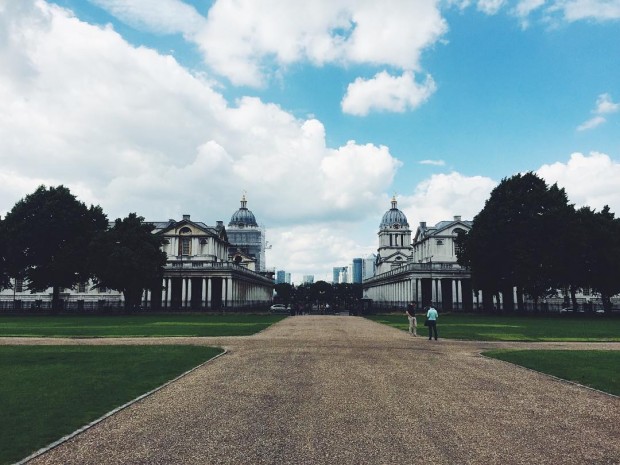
<point x="47" y="392"/>
<point x="594" y="368"/>
<point x="136" y="326"/>
<point x="514" y="328"/>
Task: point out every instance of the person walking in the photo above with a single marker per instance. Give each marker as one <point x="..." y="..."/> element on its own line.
<point x="431" y="320"/>
<point x="413" y="322"/>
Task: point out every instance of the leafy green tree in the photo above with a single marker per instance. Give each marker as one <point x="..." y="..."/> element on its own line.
<point x="127" y="258"/>
<point x="602" y="258"/>
<point x="285" y="292"/>
<point x="518" y="239"/>
<point x="48" y="234"/>
<point x="4" y="276"/>
<point x="321" y="291"/>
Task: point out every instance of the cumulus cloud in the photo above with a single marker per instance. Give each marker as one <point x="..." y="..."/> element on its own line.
<point x="604" y="106"/>
<point x="385" y="92"/>
<point x="130" y="129"/>
<point x="249" y="42"/>
<point x="319" y="247"/>
<point x="243" y="39"/>
<point x="443" y="196"/>
<point x="590" y="180"/>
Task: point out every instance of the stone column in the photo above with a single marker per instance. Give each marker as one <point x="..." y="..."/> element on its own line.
<point x="189" y="293"/>
<point x="203" y="297"/>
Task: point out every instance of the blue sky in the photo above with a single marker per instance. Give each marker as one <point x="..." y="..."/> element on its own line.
<point x="320" y="111"/>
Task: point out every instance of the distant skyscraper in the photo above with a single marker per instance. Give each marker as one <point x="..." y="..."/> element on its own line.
<point x="339" y="272"/>
<point x="280" y="277"/>
<point x="308" y="279"/>
<point x="357" y="270"/>
<point x="368" y="266"/>
<point x="287" y="278"/>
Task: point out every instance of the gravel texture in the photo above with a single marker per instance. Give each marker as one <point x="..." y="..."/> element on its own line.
<point x="345" y="390"/>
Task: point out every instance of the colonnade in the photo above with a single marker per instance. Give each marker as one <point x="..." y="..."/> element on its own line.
<point x="449" y="293"/>
<point x="208" y="292"/>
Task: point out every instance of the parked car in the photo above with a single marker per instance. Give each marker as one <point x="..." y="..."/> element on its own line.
<point x="279" y="308"/>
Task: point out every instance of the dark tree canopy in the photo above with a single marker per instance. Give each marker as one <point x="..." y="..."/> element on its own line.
<point x="519" y="237"/>
<point x="285" y="292"/>
<point x="48" y="234"/>
<point x="127" y="258"/>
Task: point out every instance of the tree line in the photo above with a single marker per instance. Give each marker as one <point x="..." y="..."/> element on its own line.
<point x="50" y="239"/>
<point x="530" y="237"/>
<point x="340" y="296"/>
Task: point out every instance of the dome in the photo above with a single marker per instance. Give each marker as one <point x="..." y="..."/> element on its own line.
<point x="394" y="218"/>
<point x="243" y="216"/>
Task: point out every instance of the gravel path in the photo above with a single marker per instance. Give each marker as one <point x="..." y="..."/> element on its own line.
<point x="345" y="390"/>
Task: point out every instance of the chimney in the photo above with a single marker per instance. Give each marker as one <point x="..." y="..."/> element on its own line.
<point x="220" y="224"/>
<point x="423" y="224"/>
<point x="457" y="217"/>
<point x="186" y="217"/>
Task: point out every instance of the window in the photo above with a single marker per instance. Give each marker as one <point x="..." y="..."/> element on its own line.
<point x="19" y="285"/>
<point x="185" y="245"/>
<point x="102" y="290"/>
<point x="81" y="287"/>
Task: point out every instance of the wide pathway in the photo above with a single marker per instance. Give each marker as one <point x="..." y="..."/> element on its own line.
<point x="345" y="390"/>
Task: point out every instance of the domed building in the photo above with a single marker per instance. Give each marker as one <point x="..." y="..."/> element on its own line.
<point x="394" y="240"/>
<point x="246" y="237"/>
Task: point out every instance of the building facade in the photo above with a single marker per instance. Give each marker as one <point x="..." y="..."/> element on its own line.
<point x="246" y="237"/>
<point x="424" y="271"/>
<point x="199" y="275"/>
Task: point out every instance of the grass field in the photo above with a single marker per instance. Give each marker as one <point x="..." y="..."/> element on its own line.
<point x="594" y="368"/>
<point x="136" y="326"/>
<point x="514" y="328"/>
<point x="47" y="392"/>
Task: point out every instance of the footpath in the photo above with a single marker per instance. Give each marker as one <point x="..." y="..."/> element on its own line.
<point x="345" y="390"/>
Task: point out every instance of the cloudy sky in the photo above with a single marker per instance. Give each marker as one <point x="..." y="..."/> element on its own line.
<point x="320" y="111"/>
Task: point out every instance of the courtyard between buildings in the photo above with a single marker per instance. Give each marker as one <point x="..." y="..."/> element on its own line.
<point x="346" y="390"/>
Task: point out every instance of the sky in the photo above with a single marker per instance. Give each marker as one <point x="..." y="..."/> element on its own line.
<point x="318" y="111"/>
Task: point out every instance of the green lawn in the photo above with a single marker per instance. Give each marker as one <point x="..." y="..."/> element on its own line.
<point x="514" y="328"/>
<point x="593" y="368"/>
<point x="136" y="325"/>
<point x="47" y="392"/>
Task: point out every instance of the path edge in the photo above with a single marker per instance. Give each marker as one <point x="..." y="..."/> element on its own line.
<point x="79" y="431"/>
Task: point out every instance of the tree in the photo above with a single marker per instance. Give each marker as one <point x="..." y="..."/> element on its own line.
<point x="4" y="277"/>
<point x="127" y="258"/>
<point x="48" y="234"/>
<point x="602" y="257"/>
<point x="285" y="292"/>
<point x="518" y="238"/>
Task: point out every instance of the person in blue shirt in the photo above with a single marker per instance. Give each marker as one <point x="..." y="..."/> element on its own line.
<point x="431" y="318"/>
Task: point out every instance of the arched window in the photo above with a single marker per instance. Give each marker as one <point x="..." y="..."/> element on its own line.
<point x="185" y="243"/>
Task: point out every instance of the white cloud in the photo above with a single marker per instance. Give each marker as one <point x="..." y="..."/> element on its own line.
<point x="244" y="39"/>
<point x="164" y="17"/>
<point x="604" y="106"/>
<point x="591" y="123"/>
<point x="386" y="93"/>
<point x="443" y="196"/>
<point x="590" y="180"/>
<point x="490" y="7"/>
<point x="433" y="162"/>
<point x="129" y="129"/>
<point x="600" y="10"/>
<point x="316" y="248"/>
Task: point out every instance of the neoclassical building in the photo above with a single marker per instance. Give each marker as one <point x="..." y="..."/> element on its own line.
<point x="199" y="275"/>
<point x="421" y="271"/>
<point x="246" y="237"/>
